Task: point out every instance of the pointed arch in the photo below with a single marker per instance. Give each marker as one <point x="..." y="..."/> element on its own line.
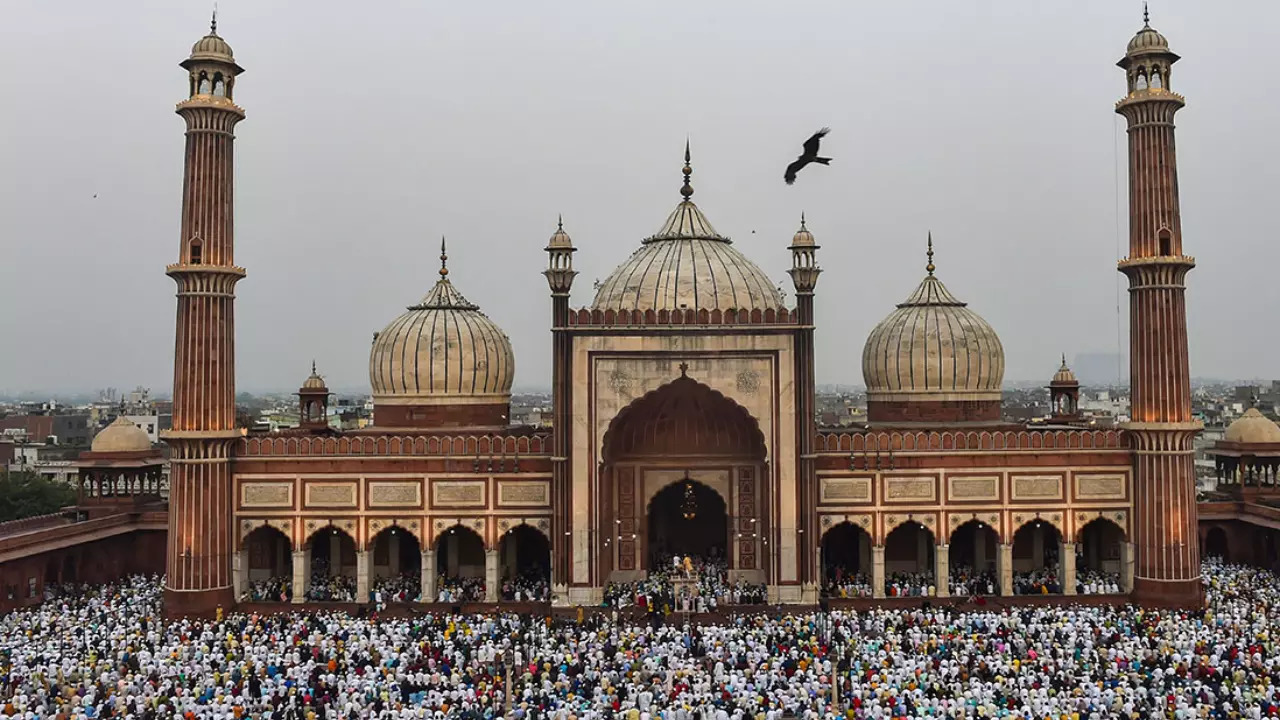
<point x="683" y="417"/>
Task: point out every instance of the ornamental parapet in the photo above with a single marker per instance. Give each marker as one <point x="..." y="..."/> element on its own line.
<point x="900" y="441"/>
<point x="383" y="445"/>
<point x="682" y="318"/>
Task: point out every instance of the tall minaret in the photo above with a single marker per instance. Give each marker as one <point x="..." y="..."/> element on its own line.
<point x="1166" y="547"/>
<point x="804" y="276"/>
<point x="560" y="275"/>
<point x="201" y="540"/>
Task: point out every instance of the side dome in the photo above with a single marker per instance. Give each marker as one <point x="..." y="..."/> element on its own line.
<point x="687" y="265"/>
<point x="933" y="360"/>
<point x="442" y="363"/>
<point x="121" y="436"/>
<point x="1252" y="428"/>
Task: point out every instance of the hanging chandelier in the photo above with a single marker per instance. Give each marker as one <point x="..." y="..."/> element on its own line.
<point x="689" y="508"/>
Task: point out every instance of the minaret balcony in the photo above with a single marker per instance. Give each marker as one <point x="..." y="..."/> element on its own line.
<point x="1178" y="260"/>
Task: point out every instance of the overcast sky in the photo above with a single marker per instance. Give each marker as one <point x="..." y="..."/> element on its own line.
<point x="374" y="128"/>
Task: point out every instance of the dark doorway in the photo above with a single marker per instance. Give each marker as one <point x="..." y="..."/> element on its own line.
<point x="687" y="518"/>
<point x="526" y="565"/>
<point x="846" y="561"/>
<point x="1215" y="544"/>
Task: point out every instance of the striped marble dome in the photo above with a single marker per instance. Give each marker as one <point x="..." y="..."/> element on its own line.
<point x="443" y="350"/>
<point x="687" y="265"/>
<point x="933" y="347"/>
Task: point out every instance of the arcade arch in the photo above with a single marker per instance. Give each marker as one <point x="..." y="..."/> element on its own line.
<point x="525" y="558"/>
<point x="908" y="559"/>
<point x="974" y="547"/>
<point x="332" y="576"/>
<point x="682" y="446"/>
<point x="846" y="560"/>
<point x="1215" y="544"/>
<point x="460" y="554"/>
<point x="269" y="554"/>
<point x="397" y="554"/>
<point x="1098" y="554"/>
<point x="1037" y="547"/>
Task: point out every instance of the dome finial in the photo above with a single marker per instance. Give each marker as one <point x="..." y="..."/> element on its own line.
<point x="313" y="367"/>
<point x="1146" y="16"/>
<point x="802" y="227"/>
<point x="559" y="221"/>
<point x="687" y="191"/>
<point x="930" y="267"/>
<point x="213" y="21"/>
<point x="444" y="259"/>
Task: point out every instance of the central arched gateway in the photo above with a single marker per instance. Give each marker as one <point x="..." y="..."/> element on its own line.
<point x="682" y="449"/>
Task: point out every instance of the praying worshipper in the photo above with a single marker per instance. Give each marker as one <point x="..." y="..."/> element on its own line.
<point x="275" y="589"/>
<point x="403" y="588"/>
<point x="105" y="651"/>
<point x="1037" y="582"/>
<point x="965" y="582"/>
<point x="1094" y="582"/>
<point x="453" y="589"/>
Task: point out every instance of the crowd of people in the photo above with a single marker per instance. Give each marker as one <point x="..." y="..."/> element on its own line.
<point x="843" y="584"/>
<point x="455" y="590"/>
<point x="403" y="588"/>
<point x="1043" y="581"/>
<point x="532" y="586"/>
<point x="273" y="589"/>
<point x="685" y="584"/>
<point x="331" y="588"/>
<point x="104" y="651"/>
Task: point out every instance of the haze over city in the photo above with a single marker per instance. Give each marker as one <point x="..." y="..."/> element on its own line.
<point x="370" y="134"/>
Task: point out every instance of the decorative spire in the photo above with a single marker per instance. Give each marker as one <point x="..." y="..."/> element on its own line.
<point x="687" y="191"/>
<point x="559" y="222"/>
<point x="313" y="367"/>
<point x="1064" y="359"/>
<point x="1146" y="17"/>
<point x="213" y="21"/>
<point x="802" y="227"/>
<point x="444" y="260"/>
<point x="930" y="267"/>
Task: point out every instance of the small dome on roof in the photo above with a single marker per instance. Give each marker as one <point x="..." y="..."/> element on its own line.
<point x="1064" y="376"/>
<point x="1252" y="428"/>
<point x="1148" y="40"/>
<point x="315" y="382"/>
<point x="803" y="238"/>
<point x="560" y="239"/>
<point x="121" y="436"/>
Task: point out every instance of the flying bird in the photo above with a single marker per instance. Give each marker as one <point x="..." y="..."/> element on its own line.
<point x="810" y="155"/>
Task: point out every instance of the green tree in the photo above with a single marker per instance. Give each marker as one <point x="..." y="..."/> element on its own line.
<point x="27" y="494"/>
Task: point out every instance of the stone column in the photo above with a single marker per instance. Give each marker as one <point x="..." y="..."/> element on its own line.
<point x="942" y="570"/>
<point x="877" y="571"/>
<point x="491" y="576"/>
<point x="1004" y="567"/>
<point x="363" y="571"/>
<point x="1126" y="567"/>
<point x="1068" y="557"/>
<point x="240" y="573"/>
<point x="301" y="574"/>
<point x="429" y="575"/>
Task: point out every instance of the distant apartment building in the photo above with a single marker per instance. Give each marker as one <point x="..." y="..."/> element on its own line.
<point x="73" y="429"/>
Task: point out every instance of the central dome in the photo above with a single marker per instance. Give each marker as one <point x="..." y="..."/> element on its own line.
<point x="687" y="265"/>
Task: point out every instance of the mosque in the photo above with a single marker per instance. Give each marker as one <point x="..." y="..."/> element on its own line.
<point x="684" y="419"/>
